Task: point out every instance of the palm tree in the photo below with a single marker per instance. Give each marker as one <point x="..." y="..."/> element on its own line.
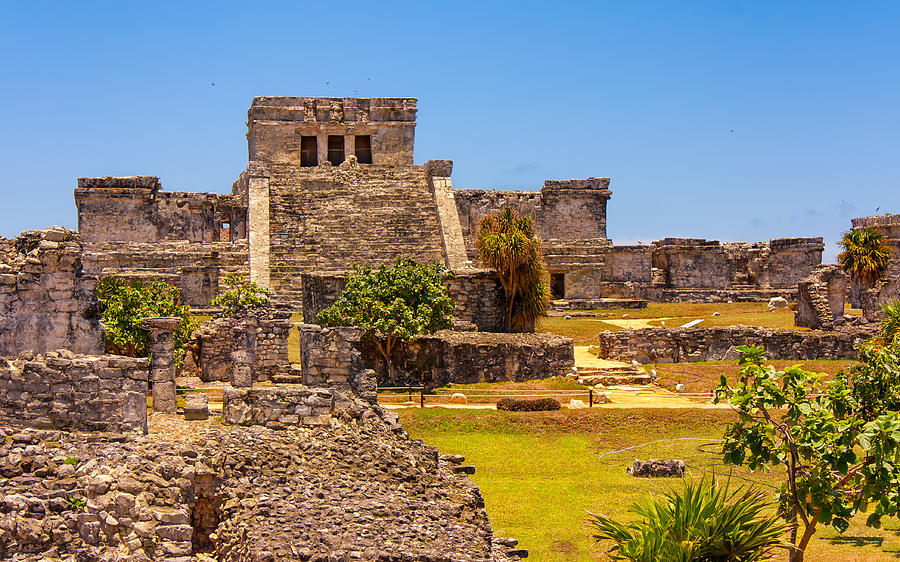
<point x="866" y="255"/>
<point x="507" y="243"/>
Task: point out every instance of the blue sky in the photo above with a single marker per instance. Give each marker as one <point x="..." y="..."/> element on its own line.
<point x="724" y="120"/>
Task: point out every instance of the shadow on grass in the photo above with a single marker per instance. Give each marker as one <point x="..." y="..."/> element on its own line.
<point x="851" y="540"/>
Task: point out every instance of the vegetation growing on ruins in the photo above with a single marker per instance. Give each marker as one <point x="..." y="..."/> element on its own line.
<point x="394" y="303"/>
<point x="125" y="303"/>
<point x="705" y="521"/>
<point x="866" y="255"/>
<point x="240" y="294"/>
<point x="838" y="442"/>
<point x="508" y="243"/>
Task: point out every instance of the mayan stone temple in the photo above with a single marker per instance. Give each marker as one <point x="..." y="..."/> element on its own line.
<point x="331" y="182"/>
<point x="114" y="458"/>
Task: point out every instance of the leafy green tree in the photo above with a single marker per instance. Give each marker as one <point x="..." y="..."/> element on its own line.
<point x="705" y="522"/>
<point x="395" y="303"/>
<point x="240" y="294"/>
<point x="866" y="255"/>
<point x="125" y="303"/>
<point x="508" y="243"/>
<point x="840" y="450"/>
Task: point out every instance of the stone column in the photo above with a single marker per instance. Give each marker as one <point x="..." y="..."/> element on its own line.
<point x="243" y="353"/>
<point x="162" y="363"/>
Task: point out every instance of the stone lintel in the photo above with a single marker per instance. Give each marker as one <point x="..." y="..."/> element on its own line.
<point x="165" y="323"/>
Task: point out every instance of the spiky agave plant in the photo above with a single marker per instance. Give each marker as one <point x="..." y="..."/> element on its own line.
<point x="866" y="255"/>
<point x="507" y="243"/>
<point x="703" y="522"/>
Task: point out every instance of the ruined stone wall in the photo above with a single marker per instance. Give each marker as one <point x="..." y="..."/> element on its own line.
<point x="197" y="268"/>
<point x="358" y="489"/>
<point x="627" y="263"/>
<point x="213" y="342"/>
<point x="677" y="345"/>
<point x="135" y="209"/>
<point x="478" y="296"/>
<point x="479" y="299"/>
<point x="469" y="357"/>
<point x="332" y="358"/>
<point x="567" y="209"/>
<point x="792" y="259"/>
<point x="277" y="124"/>
<point x="690" y="262"/>
<point x="78" y="392"/>
<point x="46" y="301"/>
<point x="330" y="218"/>
<point x="821" y="298"/>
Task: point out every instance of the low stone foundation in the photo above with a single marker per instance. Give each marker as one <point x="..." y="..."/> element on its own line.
<point x="80" y="392"/>
<point x="280" y="406"/>
<point x="682" y="345"/>
<point x="470" y="357"/>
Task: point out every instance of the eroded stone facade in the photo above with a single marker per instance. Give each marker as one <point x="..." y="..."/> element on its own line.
<point x="331" y="182"/>
<point x="46" y="300"/>
<point x="683" y="345"/>
<point x="62" y="390"/>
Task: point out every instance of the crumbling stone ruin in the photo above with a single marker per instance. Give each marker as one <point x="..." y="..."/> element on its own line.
<point x="331" y="182"/>
<point x="309" y="471"/>
<point x="822" y="296"/>
<point x="46" y="301"/>
<point x="717" y="343"/>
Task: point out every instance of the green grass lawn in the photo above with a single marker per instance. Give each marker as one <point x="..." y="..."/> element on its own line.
<point x="539" y="473"/>
<point x="584" y="330"/>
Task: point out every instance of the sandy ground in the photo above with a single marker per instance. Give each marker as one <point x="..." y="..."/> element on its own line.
<point x="589" y="360"/>
<point x="635" y="323"/>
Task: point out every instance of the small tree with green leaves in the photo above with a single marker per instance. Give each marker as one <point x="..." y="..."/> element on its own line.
<point x="240" y="294"/>
<point x="705" y="522"/>
<point x="866" y="255"/>
<point x="508" y="243"/>
<point x="394" y="303"/>
<point x="839" y="448"/>
<point x="123" y="305"/>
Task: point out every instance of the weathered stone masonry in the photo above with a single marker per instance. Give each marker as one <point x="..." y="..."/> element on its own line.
<point x="682" y="345"/>
<point x="331" y="182"/>
<point x="46" y="300"/>
<point x="61" y="390"/>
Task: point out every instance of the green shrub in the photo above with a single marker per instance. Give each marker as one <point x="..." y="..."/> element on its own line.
<point x="528" y="405"/>
<point x="704" y="522"/>
<point x="125" y="303"/>
<point x="76" y="504"/>
<point x="241" y="294"/>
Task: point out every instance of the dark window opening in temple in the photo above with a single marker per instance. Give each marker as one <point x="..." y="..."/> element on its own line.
<point x="557" y="286"/>
<point x="335" y="149"/>
<point x="364" y="149"/>
<point x="309" y="151"/>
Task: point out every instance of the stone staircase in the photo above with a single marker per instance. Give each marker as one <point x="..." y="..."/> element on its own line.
<point x="625" y="375"/>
